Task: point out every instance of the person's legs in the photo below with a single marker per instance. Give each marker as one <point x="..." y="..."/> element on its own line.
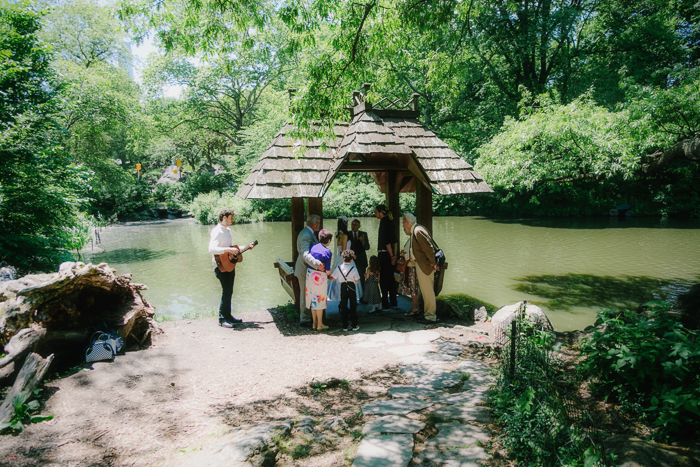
<point x="425" y="282"/>
<point x="226" y="279"/>
<point x="314" y="316"/>
<point x="353" y="307"/>
<point x="386" y="276"/>
<point x="343" y="306"/>
<point x="305" y="315"/>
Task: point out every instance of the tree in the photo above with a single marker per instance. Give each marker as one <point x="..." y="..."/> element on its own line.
<point x="40" y="187"/>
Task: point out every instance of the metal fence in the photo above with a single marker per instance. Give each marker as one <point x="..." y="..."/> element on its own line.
<point x="530" y="371"/>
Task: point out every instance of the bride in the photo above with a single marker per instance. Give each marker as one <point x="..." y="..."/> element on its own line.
<point x="342" y="243"/>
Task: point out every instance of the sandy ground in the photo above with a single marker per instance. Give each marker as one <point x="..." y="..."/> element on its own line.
<point x="194" y="384"/>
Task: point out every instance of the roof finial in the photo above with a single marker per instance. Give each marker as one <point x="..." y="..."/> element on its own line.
<point x="414" y="101"/>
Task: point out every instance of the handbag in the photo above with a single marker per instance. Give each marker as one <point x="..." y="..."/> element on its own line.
<point x="401" y="264"/>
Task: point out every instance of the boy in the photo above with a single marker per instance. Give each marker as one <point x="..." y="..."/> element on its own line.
<point x="347" y="276"/>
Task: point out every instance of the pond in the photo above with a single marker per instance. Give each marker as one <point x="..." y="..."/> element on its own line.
<point x="571" y="268"/>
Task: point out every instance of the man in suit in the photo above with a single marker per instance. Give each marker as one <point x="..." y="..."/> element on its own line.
<point x="421" y="248"/>
<point x="306" y="239"/>
<point x="359" y="243"/>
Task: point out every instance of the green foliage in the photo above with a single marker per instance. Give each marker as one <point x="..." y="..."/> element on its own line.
<point x="467" y="302"/>
<point x="23" y="415"/>
<point x="206" y="208"/>
<point x="40" y="186"/>
<point x="650" y="364"/>
<point x="352" y="195"/>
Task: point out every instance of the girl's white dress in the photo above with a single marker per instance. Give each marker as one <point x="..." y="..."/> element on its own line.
<point x="334" y="286"/>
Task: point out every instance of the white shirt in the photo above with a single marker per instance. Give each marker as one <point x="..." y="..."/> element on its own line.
<point x="219" y="239"/>
<point x="352" y="276"/>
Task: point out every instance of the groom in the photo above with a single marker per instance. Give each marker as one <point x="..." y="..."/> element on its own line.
<point x="306" y="239"/>
<point x="359" y="243"/>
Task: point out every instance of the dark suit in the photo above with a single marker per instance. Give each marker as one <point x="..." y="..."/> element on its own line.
<point x="360" y="249"/>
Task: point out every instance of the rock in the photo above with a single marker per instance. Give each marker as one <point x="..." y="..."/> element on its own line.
<point x="689" y="306"/>
<point x="633" y="452"/>
<point x="446" y="379"/>
<point x="431" y="358"/>
<point x="171" y="174"/>
<point x="252" y="445"/>
<point x="336" y="424"/>
<point x="505" y="315"/>
<point x="304" y="425"/>
<point x="423" y="337"/>
<point x="392" y="424"/>
<point x="410" y="392"/>
<point x="449" y="348"/>
<point x="384" y="451"/>
<point x="461" y="398"/>
<point x="394" y="407"/>
<point x="457" y="435"/>
<point x="469" y="457"/>
<point x="463" y="414"/>
<point x="480" y="315"/>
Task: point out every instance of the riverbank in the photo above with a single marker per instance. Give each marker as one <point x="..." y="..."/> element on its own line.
<point x="198" y="381"/>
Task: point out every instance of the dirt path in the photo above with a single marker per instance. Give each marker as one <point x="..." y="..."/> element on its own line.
<point x="196" y="382"/>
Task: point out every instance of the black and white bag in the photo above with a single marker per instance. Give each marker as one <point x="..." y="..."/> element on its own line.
<point x="104" y="346"/>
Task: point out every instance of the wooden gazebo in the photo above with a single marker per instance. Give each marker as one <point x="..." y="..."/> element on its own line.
<point x="385" y="139"/>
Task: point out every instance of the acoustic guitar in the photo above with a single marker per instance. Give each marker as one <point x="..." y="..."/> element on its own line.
<point x="228" y="261"/>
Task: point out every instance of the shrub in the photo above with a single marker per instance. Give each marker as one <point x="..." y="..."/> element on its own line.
<point x="650" y="364"/>
<point x="206" y="207"/>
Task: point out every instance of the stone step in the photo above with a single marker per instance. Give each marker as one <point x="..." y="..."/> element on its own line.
<point x="461" y="413"/>
<point x="468" y="457"/>
<point x="395" y="407"/>
<point x="458" y="435"/>
<point x="394" y="424"/>
<point x="384" y="451"/>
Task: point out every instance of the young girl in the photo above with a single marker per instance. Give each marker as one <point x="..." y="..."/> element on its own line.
<point x="372" y="295"/>
<point x="317" y="281"/>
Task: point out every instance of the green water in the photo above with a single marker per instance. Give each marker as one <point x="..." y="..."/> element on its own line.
<point x="570" y="267"/>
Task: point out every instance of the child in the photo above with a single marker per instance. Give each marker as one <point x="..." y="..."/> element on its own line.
<point x="372" y="295"/>
<point x="347" y="276"/>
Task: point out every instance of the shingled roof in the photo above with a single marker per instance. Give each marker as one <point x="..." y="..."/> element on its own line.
<point x="387" y="134"/>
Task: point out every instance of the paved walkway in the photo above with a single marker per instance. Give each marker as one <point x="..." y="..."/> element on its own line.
<point x="445" y="390"/>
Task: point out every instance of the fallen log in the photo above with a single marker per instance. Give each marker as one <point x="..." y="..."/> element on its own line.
<point x="17" y="349"/>
<point x="29" y="377"/>
<point x="56" y="313"/>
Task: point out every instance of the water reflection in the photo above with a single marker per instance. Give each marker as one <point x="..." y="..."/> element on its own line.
<point x="572" y="266"/>
<point x="133" y="255"/>
<point x="587" y="290"/>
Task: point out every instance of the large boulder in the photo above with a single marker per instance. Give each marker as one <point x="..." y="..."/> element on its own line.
<point x="634" y="452"/>
<point x="171" y="174"/>
<point x="505" y="315"/>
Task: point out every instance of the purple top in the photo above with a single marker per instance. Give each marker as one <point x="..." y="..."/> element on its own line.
<point x="322" y="254"/>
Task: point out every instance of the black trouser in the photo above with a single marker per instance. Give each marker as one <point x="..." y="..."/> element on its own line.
<point x="361" y="268"/>
<point x="386" y="280"/>
<point x="348" y="294"/>
<point x="226" y="279"/>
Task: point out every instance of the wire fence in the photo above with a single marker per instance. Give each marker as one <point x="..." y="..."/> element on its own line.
<point x="563" y="433"/>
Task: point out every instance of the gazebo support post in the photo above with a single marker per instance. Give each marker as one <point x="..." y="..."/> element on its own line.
<point x="298" y="223"/>
<point x="315" y="206"/>
<point x="424" y="206"/>
<point x="392" y="200"/>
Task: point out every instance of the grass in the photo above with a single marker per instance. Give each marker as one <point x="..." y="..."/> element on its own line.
<point x="467" y="302"/>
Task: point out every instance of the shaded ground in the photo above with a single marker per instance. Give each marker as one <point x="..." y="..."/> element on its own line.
<point x="198" y="381"/>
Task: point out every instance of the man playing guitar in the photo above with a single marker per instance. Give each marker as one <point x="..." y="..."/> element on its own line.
<point x="221" y="243"/>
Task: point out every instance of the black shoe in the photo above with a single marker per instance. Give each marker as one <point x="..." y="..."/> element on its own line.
<point x="226" y="324"/>
<point x="236" y="321"/>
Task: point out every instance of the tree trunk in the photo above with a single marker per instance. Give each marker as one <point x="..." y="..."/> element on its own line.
<point x="30" y="375"/>
<point x="688" y="150"/>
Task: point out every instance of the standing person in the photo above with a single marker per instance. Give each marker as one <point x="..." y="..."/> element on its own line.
<point x="421" y="246"/>
<point x="221" y="242"/>
<point x="408" y="285"/>
<point x="359" y="243"/>
<point x="305" y="240"/>
<point x="317" y="281"/>
<point x="372" y="295"/>
<point x="386" y="252"/>
<point x="341" y="242"/>
<point x="348" y="278"/>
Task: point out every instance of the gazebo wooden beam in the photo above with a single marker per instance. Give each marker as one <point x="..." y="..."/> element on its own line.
<point x="392" y="201"/>
<point x="424" y="207"/>
<point x="298" y="223"/>
<point x="356" y="167"/>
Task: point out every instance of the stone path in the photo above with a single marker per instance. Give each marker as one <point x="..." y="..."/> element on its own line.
<point x="435" y="367"/>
